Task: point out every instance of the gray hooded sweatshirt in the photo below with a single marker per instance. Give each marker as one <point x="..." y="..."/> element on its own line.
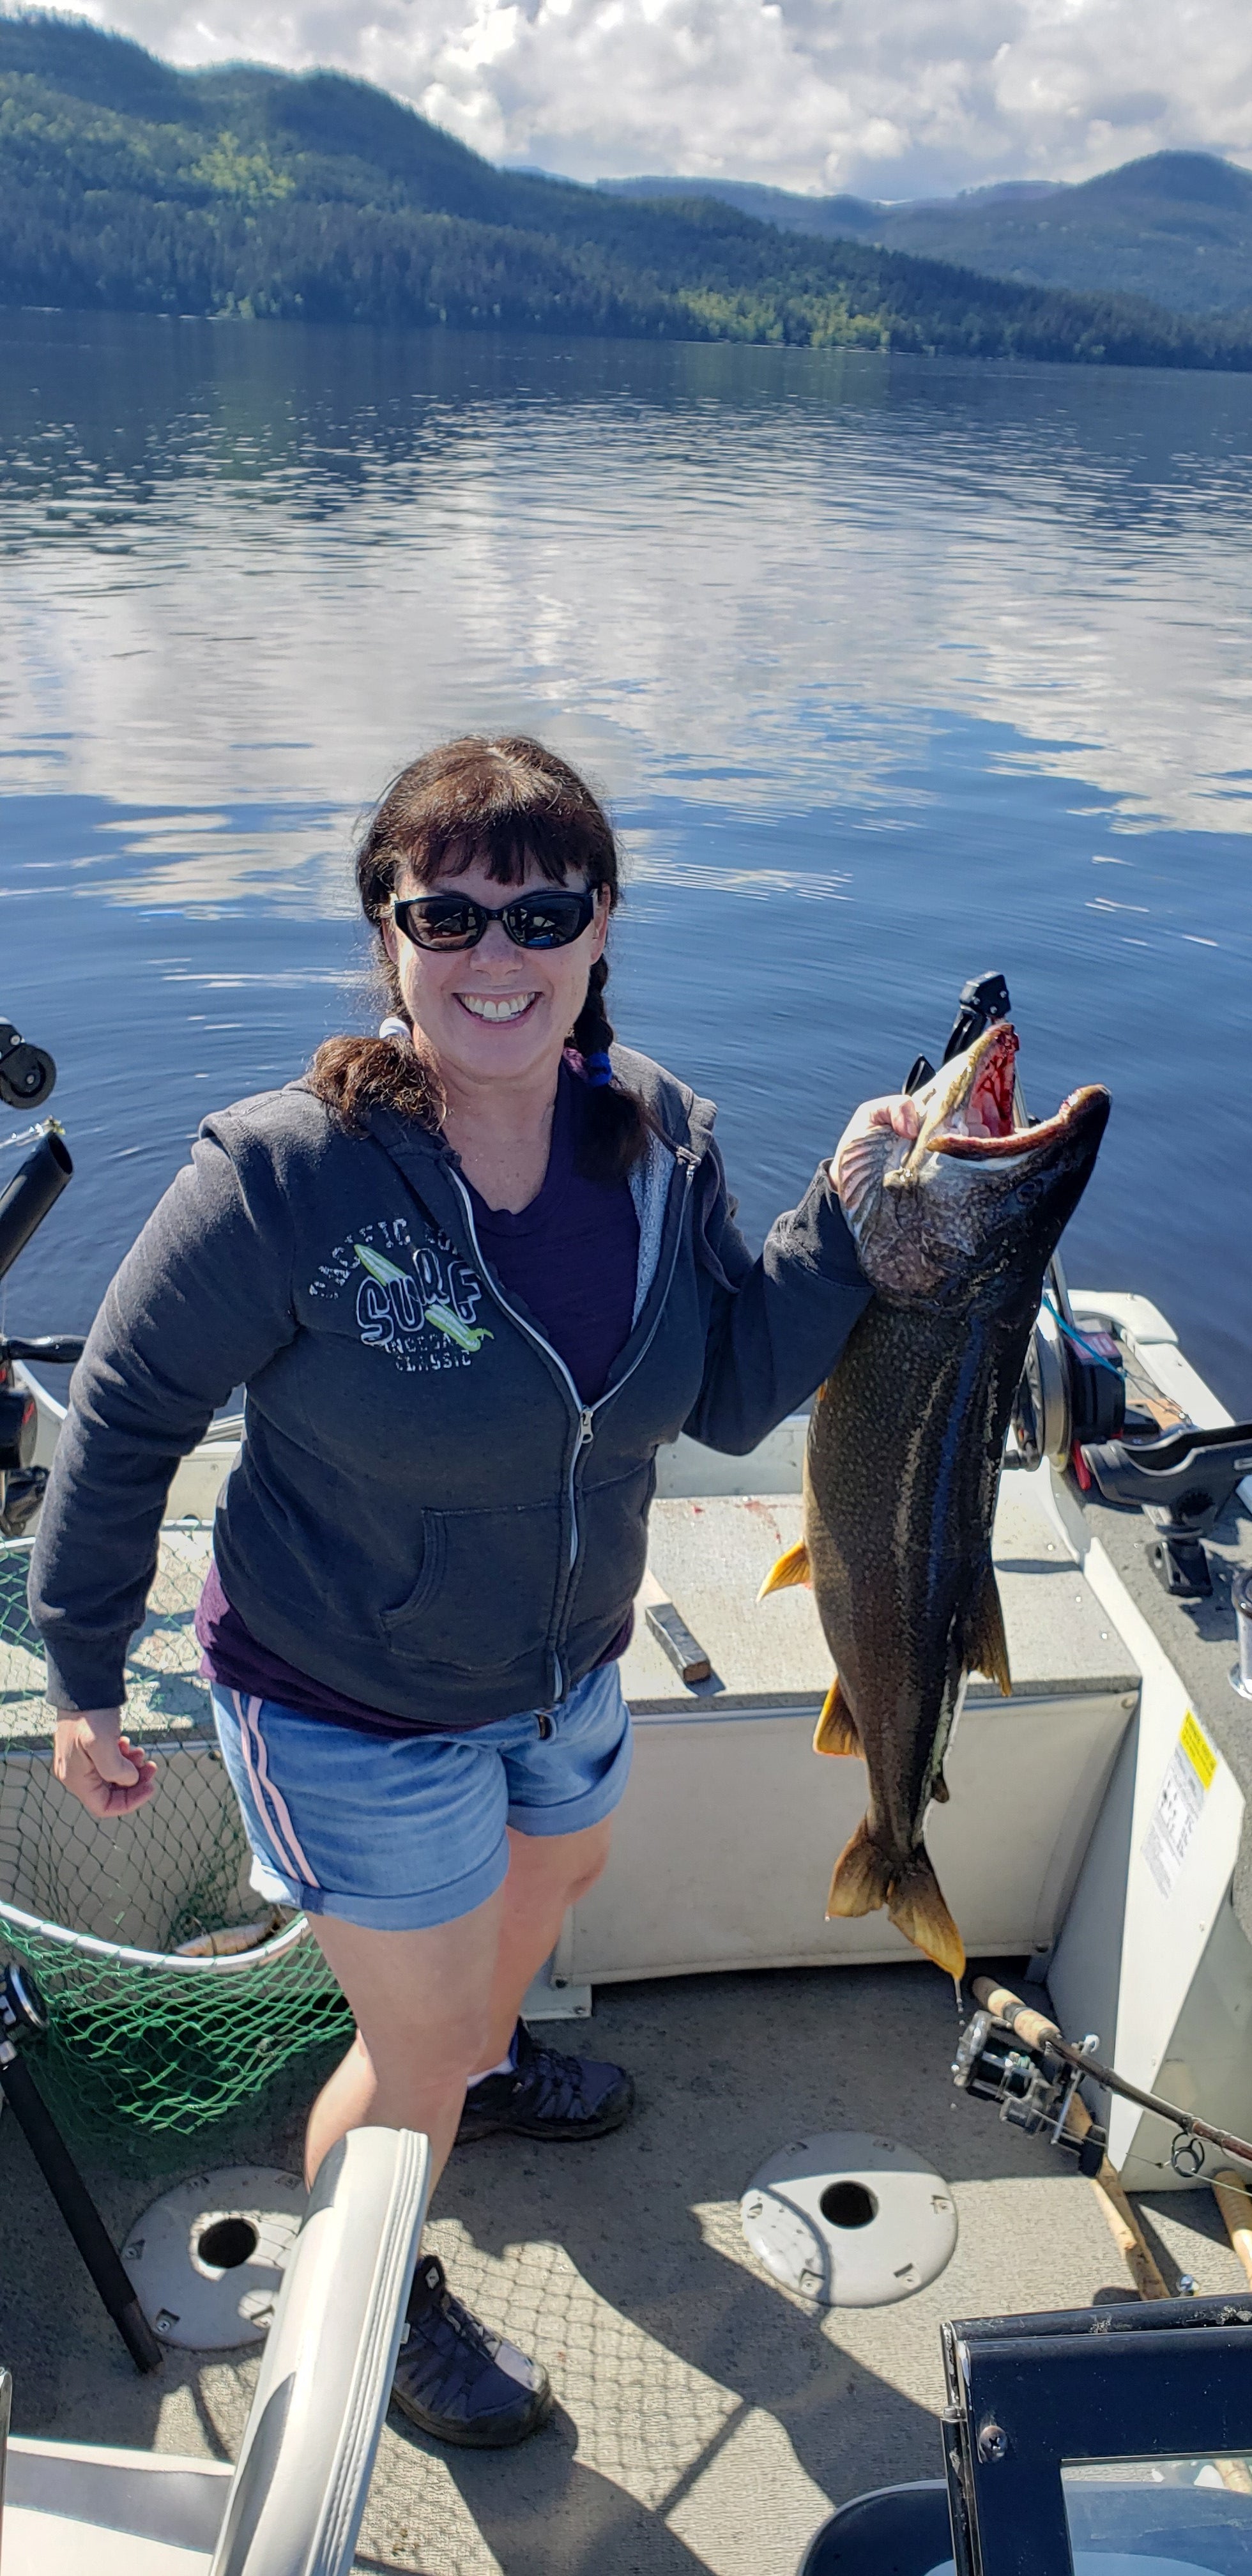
<point x="424" y="1515"/>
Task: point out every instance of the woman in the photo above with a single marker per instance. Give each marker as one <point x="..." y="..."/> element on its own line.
<point x="470" y="1273"/>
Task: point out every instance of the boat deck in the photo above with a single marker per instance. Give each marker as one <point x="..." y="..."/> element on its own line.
<point x="706" y="2418"/>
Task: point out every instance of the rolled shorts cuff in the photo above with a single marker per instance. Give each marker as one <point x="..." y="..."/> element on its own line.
<point x="575" y="1814"/>
<point x="423" y="1911"/>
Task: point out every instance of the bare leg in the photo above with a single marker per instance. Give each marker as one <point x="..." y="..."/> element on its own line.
<point x="422" y="2005"/>
<point x="547" y="1874"/>
<point x="433" y="2008"/>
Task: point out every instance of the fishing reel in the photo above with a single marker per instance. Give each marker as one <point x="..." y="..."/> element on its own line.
<point x="27" y="1073"/>
<point x="1031" y="2087"/>
<point x="1072" y="1388"/>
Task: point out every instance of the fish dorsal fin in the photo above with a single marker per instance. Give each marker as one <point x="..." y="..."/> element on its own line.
<point x="984" y="1644"/>
<point x="792" y="1567"/>
<point x="837" y="1730"/>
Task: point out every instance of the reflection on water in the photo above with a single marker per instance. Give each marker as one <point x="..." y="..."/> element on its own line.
<point x="891" y="671"/>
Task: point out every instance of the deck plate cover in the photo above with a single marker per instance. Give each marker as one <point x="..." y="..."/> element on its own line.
<point x="207" y="2259"/>
<point x="850" y="2220"/>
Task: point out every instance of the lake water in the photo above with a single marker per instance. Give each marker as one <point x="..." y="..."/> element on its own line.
<point x="891" y="671"/>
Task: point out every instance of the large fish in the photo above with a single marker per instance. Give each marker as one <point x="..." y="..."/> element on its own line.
<point x="955" y="1229"/>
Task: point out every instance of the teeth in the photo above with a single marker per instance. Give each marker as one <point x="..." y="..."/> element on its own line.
<point x="483" y="1009"/>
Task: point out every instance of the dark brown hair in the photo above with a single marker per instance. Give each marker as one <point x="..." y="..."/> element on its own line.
<point x="500" y="803"/>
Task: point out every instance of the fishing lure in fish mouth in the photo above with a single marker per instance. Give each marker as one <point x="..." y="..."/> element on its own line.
<point x="954" y="1229"/>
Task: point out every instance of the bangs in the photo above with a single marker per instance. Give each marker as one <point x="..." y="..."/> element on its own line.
<point x="503" y="845"/>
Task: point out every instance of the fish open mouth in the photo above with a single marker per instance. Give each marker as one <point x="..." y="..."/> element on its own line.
<point x="981" y="1123"/>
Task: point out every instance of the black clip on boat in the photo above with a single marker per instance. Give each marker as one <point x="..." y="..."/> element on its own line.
<point x="1183" y="1482"/>
<point x="984" y="1000"/>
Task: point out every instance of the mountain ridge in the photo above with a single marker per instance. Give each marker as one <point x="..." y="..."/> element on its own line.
<point x="1173" y="226"/>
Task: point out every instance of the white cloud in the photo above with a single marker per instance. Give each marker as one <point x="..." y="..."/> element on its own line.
<point x="893" y="99"/>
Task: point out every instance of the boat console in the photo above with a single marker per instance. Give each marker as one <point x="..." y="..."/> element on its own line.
<point x="1109" y="2441"/>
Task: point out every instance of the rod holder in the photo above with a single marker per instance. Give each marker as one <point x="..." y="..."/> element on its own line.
<point x="35" y="1187"/>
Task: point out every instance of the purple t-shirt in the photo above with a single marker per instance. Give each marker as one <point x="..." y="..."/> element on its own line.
<point x="570" y="1259"/>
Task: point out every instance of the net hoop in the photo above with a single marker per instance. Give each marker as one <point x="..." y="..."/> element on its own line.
<point x="120" y="1957"/>
<point x="147" y="2048"/>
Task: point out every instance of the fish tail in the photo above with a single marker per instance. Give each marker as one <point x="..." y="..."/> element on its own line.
<point x="792" y="1567"/>
<point x="917" y="1908"/>
<point x="863" y="1875"/>
<point x="867" y="1877"/>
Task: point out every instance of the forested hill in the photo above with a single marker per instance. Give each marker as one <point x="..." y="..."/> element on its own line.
<point x="126" y="185"/>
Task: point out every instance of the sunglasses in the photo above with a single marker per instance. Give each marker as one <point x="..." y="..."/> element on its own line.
<point x="549" y="920"/>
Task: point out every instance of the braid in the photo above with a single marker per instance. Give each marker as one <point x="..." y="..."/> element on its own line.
<point x="617" y="1123"/>
<point x="593" y="1030"/>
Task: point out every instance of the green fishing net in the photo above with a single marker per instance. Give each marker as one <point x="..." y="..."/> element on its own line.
<point x="146" y="2048"/>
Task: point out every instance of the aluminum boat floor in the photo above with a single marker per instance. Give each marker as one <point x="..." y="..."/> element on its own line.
<point x="706" y="2418"/>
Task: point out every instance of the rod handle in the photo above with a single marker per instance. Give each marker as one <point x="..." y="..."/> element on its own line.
<point x="1003" y="2005"/>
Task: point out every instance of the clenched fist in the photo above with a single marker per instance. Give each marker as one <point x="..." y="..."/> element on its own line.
<point x="106" y="1772"/>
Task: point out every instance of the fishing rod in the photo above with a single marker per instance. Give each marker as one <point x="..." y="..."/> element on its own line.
<point x="27" y="1077"/>
<point x="1035" y="2084"/>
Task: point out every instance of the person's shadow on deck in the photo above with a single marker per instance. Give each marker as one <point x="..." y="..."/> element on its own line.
<point x="692" y="2341"/>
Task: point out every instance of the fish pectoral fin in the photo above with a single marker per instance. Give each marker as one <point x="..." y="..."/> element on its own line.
<point x="862" y="1876"/>
<point x="917" y="1909"/>
<point x="792" y="1567"/>
<point x="939" y="1790"/>
<point x="836" y="1730"/>
<point x="984" y="1644"/>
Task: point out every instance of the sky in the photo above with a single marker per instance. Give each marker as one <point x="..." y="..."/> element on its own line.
<point x="888" y="98"/>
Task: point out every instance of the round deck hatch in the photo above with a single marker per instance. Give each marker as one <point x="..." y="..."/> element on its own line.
<point x="850" y="2220"/>
<point x="207" y="2259"/>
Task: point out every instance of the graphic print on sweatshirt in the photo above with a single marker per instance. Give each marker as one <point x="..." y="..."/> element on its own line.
<point x="417" y="1302"/>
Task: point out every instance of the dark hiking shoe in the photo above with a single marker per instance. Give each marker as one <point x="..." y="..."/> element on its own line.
<point x="548" y="2095"/>
<point x="457" y="2380"/>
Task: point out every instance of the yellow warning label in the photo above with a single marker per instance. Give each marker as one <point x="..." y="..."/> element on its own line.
<point x="1198" y="1750"/>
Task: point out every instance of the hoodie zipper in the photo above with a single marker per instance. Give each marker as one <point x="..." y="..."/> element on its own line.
<point x="586" y="1412"/>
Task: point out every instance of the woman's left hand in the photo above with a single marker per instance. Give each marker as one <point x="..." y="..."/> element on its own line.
<point x="895" y="1111"/>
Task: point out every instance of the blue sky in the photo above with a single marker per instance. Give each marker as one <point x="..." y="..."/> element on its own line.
<point x="891" y="98"/>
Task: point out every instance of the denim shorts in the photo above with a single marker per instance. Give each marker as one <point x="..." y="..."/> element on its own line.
<point x="400" y="1832"/>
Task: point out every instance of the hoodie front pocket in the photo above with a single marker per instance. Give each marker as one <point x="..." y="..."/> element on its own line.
<point x="486" y="1593"/>
<point x="434" y="1551"/>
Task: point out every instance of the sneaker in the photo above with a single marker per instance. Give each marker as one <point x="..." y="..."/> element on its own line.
<point x="457" y="2380"/>
<point x="548" y="2095"/>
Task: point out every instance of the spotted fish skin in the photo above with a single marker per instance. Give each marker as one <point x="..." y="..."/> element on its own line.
<point x="904" y="1451"/>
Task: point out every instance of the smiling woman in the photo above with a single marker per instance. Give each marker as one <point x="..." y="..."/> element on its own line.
<point x="471" y="1272"/>
<point x="475" y="816"/>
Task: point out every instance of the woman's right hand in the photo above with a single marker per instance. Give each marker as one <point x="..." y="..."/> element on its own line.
<point x="106" y="1772"/>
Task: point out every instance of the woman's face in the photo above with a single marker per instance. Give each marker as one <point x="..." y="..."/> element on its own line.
<point x="496" y="1012"/>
